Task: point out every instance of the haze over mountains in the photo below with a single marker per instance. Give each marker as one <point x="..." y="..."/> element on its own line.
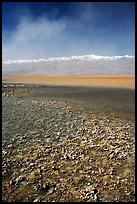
<point x="92" y="65"/>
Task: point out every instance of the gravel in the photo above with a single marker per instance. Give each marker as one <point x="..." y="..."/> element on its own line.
<point x="53" y="152"/>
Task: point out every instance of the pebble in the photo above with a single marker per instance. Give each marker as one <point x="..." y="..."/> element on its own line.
<point x="55" y="148"/>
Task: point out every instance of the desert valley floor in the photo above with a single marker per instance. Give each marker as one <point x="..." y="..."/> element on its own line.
<point x="68" y="139"/>
<point x="99" y="81"/>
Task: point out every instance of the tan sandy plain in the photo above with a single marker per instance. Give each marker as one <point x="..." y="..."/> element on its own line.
<point x="99" y="81"/>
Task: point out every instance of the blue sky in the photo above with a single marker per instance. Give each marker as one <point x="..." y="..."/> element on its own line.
<point x="55" y="29"/>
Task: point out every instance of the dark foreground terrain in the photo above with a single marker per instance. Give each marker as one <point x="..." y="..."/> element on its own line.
<point x="67" y="144"/>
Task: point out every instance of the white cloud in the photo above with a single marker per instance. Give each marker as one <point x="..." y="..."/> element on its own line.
<point x="33" y="39"/>
<point x="42" y="38"/>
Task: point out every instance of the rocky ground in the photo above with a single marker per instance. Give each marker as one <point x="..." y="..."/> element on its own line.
<point x="53" y="152"/>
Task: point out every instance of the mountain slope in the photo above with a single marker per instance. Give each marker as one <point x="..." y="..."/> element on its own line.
<point x="75" y="65"/>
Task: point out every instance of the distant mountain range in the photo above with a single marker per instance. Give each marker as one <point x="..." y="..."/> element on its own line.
<point x="76" y="65"/>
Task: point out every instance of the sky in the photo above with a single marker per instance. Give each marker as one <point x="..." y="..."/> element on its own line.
<point x="36" y="30"/>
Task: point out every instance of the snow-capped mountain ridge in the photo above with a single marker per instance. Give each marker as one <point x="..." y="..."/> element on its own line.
<point x="75" y="65"/>
<point x="82" y="57"/>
